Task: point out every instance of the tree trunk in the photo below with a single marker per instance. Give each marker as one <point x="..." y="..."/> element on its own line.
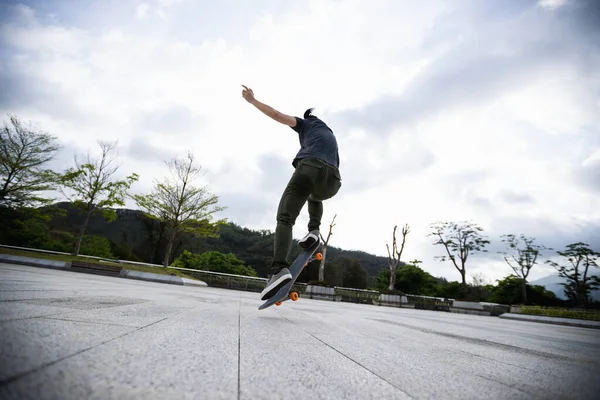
<point x="524" y="289"/>
<point x="392" y="279"/>
<point x="463" y="274"/>
<point x="81" y="232"/>
<point x="322" y="266"/>
<point x="169" y="248"/>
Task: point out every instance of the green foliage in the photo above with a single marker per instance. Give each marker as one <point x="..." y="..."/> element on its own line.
<point x="509" y="291"/>
<point x="213" y="261"/>
<point x="23" y="152"/>
<point x="590" y="315"/>
<point x="410" y="279"/>
<point x="29" y="227"/>
<point x="413" y="280"/>
<point x="124" y="251"/>
<point x="354" y="275"/>
<point x="94" y="245"/>
<point x="579" y="284"/>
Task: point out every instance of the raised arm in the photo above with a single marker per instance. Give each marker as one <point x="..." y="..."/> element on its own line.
<point x="269" y="111"/>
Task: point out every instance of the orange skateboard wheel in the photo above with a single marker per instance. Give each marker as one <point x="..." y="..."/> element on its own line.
<point x="278" y="303"/>
<point x="294" y="296"/>
<point x="319" y="256"/>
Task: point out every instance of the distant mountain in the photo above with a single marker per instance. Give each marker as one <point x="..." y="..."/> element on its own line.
<point x="553" y="283"/>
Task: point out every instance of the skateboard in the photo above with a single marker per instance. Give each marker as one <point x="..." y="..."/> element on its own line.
<point x="283" y="294"/>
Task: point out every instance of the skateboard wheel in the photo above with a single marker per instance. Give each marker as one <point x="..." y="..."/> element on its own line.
<point x="294" y="296"/>
<point x="319" y="256"/>
<point x="278" y="303"/>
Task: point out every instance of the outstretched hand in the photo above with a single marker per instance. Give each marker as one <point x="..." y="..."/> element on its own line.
<point x="248" y="94"/>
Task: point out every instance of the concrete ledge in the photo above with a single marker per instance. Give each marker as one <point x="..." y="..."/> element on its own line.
<point x="192" y="282"/>
<point x="467" y="305"/>
<point x="582" y="323"/>
<point x="470" y="311"/>
<point x="35" y="262"/>
<point x="148" y="276"/>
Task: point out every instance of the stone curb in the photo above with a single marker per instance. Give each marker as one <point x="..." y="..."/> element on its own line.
<point x="582" y="323"/>
<point x="125" y="273"/>
<point x="34" y="262"/>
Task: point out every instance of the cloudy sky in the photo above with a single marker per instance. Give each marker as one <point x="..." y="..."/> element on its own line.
<point x="444" y="110"/>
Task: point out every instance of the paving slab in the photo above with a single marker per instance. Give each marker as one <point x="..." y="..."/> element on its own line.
<point x="76" y="336"/>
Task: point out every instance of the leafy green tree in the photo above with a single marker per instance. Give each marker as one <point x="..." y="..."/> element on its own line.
<point x="413" y="280"/>
<point x="352" y="272"/>
<point x="95" y="245"/>
<point x="23" y="153"/>
<point x="30" y="227"/>
<point x="460" y="239"/>
<point x="93" y="188"/>
<point x="181" y="206"/>
<point x="509" y="291"/>
<point x="578" y="284"/>
<point x="524" y="256"/>
<point x="213" y="261"/>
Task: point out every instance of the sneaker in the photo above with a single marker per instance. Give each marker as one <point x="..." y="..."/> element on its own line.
<point x="311" y="238"/>
<point x="275" y="283"/>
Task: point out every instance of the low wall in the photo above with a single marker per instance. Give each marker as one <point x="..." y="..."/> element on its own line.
<point x="321" y="293"/>
<point x="479" y="308"/>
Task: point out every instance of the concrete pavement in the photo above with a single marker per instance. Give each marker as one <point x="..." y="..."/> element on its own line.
<point x="77" y="336"/>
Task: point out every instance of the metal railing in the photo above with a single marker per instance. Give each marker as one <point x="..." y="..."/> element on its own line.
<point x="257" y="284"/>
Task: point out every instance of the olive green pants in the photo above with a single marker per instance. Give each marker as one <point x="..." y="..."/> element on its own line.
<point x="313" y="181"/>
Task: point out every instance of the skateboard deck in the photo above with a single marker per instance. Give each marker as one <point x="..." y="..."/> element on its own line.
<point x="296" y="268"/>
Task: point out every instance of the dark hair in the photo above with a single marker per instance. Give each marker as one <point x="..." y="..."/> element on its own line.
<point x="309" y="114"/>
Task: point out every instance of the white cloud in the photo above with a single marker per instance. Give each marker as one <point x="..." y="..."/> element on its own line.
<point x="551" y="4"/>
<point x="443" y="111"/>
<point x="141" y="12"/>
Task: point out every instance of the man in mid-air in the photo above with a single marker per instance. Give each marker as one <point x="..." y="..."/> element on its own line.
<point x="316" y="178"/>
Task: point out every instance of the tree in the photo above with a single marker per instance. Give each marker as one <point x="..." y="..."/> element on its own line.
<point x="578" y="283"/>
<point x="459" y="239"/>
<point x="181" y="206"/>
<point x="508" y="291"/>
<point x="213" y="261"/>
<point x="395" y="255"/>
<point x="23" y="152"/>
<point x="354" y="275"/>
<point x="94" y="190"/>
<point x="325" y="243"/>
<point x="412" y="279"/>
<point x="525" y="258"/>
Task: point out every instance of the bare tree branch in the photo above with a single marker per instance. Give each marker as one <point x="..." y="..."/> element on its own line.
<point x="179" y="204"/>
<point x="325" y="243"/>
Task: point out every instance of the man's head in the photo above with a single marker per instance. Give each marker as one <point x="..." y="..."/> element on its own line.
<point x="309" y="113"/>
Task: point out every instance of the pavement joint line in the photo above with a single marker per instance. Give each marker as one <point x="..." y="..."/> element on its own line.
<point x="510" y="386"/>
<point x="16" y="377"/>
<point x="346" y="356"/>
<point x="499" y="362"/>
<point x="33" y="317"/>
<point x="88" y="322"/>
<point x="483" y="342"/>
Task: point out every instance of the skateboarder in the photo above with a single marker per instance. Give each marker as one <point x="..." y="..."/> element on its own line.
<point x="316" y="178"/>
